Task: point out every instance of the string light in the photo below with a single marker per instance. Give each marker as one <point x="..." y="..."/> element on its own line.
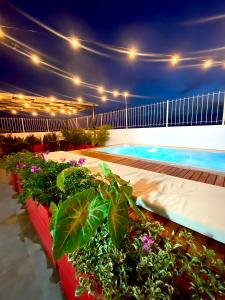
<point x="2" y="34"/>
<point x="79" y="99"/>
<point x="174" y="60"/>
<point x="34" y="113"/>
<point x="126" y="94"/>
<point x="35" y="59"/>
<point x="47" y="109"/>
<point x="69" y="113"/>
<point x="77" y="80"/>
<point x="100" y="89"/>
<point x="103" y="98"/>
<point x="20" y="96"/>
<point x="26" y="105"/>
<point x="52" y="99"/>
<point x="52" y="114"/>
<point x="14" y="112"/>
<point x="115" y="94"/>
<point x="132" y="53"/>
<point x="207" y="64"/>
<point x="62" y="111"/>
<point x="75" y="43"/>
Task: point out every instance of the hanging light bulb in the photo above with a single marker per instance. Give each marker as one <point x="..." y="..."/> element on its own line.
<point x="52" y="114"/>
<point x="207" y="64"/>
<point x="126" y="94"/>
<point x="132" y="53"/>
<point x="47" y="109"/>
<point x="34" y="113"/>
<point x="35" y="59"/>
<point x="76" y="80"/>
<point x="14" y="112"/>
<point x="26" y="105"/>
<point x="104" y="98"/>
<point x="20" y="96"/>
<point x="2" y="34"/>
<point x="75" y="43"/>
<point x="62" y="111"/>
<point x="174" y="60"/>
<point x="79" y="99"/>
<point x="100" y="89"/>
<point x="52" y="99"/>
<point x="115" y="94"/>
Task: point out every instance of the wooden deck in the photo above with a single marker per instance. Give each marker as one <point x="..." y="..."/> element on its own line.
<point x="172" y="229"/>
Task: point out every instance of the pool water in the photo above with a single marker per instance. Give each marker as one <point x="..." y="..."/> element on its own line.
<point x="210" y="160"/>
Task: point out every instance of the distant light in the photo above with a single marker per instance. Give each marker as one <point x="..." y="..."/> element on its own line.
<point x="69" y="112"/>
<point x="26" y="105"/>
<point x="34" y="113"/>
<point x="62" y="111"/>
<point x="47" y="109"/>
<point x="52" y="114"/>
<point x="132" y="53"/>
<point x="101" y="89"/>
<point x="79" y="99"/>
<point x="2" y="34"/>
<point x="104" y="98"/>
<point x="126" y="94"/>
<point x="76" y="80"/>
<point x="75" y="43"/>
<point x="35" y="59"/>
<point x="20" y="96"/>
<point x="115" y="94"/>
<point x="175" y="60"/>
<point x="207" y="64"/>
<point x="52" y="98"/>
<point x="14" y="112"/>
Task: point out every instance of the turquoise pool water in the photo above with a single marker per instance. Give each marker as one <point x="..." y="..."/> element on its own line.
<point x="210" y="160"/>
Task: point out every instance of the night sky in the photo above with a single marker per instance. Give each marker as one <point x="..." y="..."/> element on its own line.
<point x="157" y="26"/>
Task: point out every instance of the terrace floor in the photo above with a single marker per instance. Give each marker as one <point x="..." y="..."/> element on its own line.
<point x="170" y="226"/>
<point x="25" y="272"/>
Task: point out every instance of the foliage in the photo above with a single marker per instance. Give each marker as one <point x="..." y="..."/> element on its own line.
<point x="100" y="135"/>
<point x="82" y="213"/>
<point x="131" y="272"/>
<point x="15" y="162"/>
<point x="32" y="140"/>
<point x="76" y="136"/>
<point x="50" y="137"/>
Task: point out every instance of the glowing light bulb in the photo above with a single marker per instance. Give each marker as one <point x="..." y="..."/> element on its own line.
<point x="26" y="105"/>
<point x="74" y="111"/>
<point x="69" y="112"/>
<point x="20" y="96"/>
<point x="207" y="64"/>
<point x="2" y="35"/>
<point x="62" y="111"/>
<point x="132" y="53"/>
<point x="14" y="112"/>
<point x="115" y="94"/>
<point x="35" y="59"/>
<point x="47" y="109"/>
<point x="104" y="98"/>
<point x="79" y="99"/>
<point x="52" y="114"/>
<point x="52" y="98"/>
<point x="75" y="43"/>
<point x="125" y="94"/>
<point x="34" y="113"/>
<point x="100" y="89"/>
<point x="76" y="80"/>
<point x="174" y="60"/>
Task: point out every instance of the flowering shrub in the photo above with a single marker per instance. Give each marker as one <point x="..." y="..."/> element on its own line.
<point x="147" y="267"/>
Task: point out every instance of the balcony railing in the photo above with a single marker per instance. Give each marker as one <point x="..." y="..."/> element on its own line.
<point x="205" y="109"/>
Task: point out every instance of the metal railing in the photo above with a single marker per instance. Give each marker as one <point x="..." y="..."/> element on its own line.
<point x="31" y="125"/>
<point x="205" y="109"/>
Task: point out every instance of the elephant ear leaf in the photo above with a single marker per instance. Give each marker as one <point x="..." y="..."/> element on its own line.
<point x="54" y="211"/>
<point x="118" y="219"/>
<point x="77" y="220"/>
<point x="60" y="181"/>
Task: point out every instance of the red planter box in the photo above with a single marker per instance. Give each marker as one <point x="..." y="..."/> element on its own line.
<point x="40" y="217"/>
<point x="15" y="182"/>
<point x="38" y="148"/>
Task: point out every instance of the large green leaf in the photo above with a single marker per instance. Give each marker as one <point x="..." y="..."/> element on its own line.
<point x="77" y="220"/>
<point x="60" y="181"/>
<point x="54" y="211"/>
<point x="118" y="219"/>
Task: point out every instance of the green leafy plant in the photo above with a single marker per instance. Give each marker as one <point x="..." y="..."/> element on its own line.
<point x="100" y="135"/>
<point x="76" y="136"/>
<point x="80" y="215"/>
<point x="50" y="137"/>
<point x="32" y="140"/>
<point x="159" y="271"/>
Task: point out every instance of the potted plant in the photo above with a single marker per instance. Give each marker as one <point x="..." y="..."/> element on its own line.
<point x="34" y="143"/>
<point x="100" y="135"/>
<point x="50" y="141"/>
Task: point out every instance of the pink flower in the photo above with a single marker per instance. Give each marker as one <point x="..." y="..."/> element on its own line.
<point x="73" y="162"/>
<point x="147" y="242"/>
<point x="81" y="161"/>
<point x="34" y="169"/>
<point x="18" y="165"/>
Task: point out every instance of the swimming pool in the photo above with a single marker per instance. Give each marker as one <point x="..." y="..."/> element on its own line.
<point x="210" y="160"/>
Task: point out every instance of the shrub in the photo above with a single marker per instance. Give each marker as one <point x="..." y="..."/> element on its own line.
<point x="100" y="136"/>
<point x="76" y="136"/>
<point x="32" y="140"/>
<point x="50" y="137"/>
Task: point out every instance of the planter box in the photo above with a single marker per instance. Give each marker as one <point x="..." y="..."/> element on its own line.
<point x="15" y="183"/>
<point x="40" y="217"/>
<point x="38" y="148"/>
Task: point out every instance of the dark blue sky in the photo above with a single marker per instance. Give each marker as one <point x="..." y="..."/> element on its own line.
<point x="158" y="26"/>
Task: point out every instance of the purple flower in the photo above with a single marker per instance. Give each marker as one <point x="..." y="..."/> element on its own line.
<point x="73" y="162"/>
<point x="147" y="242"/>
<point x="81" y="161"/>
<point x="18" y="165"/>
<point x="34" y="169"/>
<point x="63" y="159"/>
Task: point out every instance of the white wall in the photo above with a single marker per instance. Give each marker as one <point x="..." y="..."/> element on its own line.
<point x="204" y="137"/>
